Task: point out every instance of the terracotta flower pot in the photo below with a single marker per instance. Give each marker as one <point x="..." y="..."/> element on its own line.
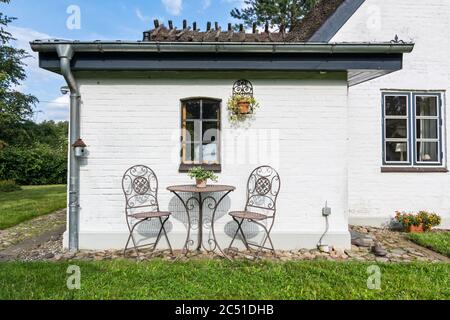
<point x="201" y="183"/>
<point x="414" y="229"/>
<point x="244" y="107"/>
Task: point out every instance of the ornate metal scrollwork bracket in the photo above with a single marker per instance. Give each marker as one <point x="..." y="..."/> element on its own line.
<point x="243" y="88"/>
<point x="397" y="40"/>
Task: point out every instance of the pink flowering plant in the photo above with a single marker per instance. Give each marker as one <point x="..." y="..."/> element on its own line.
<point x="423" y="218"/>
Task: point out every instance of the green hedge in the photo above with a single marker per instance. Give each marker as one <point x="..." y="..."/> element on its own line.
<point x="36" y="165"/>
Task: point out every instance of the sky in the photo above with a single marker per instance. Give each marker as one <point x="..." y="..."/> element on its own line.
<point x="95" y="20"/>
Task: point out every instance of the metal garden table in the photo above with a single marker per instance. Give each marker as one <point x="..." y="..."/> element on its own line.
<point x="200" y="198"/>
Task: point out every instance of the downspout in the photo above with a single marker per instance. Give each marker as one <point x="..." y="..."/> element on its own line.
<point x="65" y="54"/>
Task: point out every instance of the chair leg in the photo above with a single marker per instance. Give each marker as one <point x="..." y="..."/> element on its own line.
<point x="158" y="237"/>
<point x="271" y="244"/>
<point x="133" y="239"/>
<point x="235" y="234"/>
<point x="266" y="237"/>
<point x="239" y="229"/>
<point x="163" y="229"/>
<point x="128" y="242"/>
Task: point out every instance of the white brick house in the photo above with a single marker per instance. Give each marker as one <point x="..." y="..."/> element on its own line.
<point x="324" y="138"/>
<point x="374" y="195"/>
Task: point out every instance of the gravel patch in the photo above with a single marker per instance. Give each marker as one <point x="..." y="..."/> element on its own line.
<point x="31" y="229"/>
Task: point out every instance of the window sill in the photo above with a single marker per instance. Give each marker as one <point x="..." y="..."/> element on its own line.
<point x="413" y="169"/>
<point x="211" y="167"/>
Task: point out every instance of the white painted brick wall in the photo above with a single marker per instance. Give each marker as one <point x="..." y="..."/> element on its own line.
<point x="374" y="196"/>
<point x="137" y="121"/>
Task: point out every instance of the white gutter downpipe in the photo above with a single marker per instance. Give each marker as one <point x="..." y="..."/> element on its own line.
<point x="65" y="54"/>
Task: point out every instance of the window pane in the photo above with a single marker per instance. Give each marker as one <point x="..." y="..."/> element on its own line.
<point x="426" y="106"/>
<point x="193" y="131"/>
<point x="396" y="106"/>
<point x="193" y="110"/>
<point x="396" y="151"/>
<point x="396" y="128"/>
<point x="427" y="152"/>
<point x="210" y="154"/>
<point x="427" y="129"/>
<point x="192" y="152"/>
<point x="210" y="131"/>
<point x="210" y="110"/>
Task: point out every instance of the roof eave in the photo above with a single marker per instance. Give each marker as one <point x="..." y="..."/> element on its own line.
<point x="274" y="47"/>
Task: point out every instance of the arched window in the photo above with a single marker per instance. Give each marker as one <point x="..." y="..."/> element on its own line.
<point x="200" y="141"/>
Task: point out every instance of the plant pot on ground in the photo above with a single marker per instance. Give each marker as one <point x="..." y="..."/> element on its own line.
<point x="202" y="176"/>
<point x="420" y="222"/>
<point x="416" y="229"/>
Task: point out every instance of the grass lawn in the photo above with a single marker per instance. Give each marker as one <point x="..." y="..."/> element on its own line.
<point x="29" y="203"/>
<point x="436" y="241"/>
<point x="216" y="280"/>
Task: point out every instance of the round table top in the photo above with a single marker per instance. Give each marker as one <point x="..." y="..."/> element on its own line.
<point x="193" y="188"/>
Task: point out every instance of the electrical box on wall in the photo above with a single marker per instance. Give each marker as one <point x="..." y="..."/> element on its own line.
<point x="326" y="211"/>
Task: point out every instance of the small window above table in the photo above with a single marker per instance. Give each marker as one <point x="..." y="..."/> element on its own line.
<point x="200" y="139"/>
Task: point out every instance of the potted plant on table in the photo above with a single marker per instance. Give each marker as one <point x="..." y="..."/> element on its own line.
<point x="417" y="223"/>
<point x="202" y="176"/>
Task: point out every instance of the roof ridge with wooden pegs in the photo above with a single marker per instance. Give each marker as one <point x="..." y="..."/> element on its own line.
<point x="215" y="33"/>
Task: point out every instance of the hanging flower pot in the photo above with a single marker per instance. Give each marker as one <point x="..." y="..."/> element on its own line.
<point x="242" y="103"/>
<point x="244" y="106"/>
<point x="241" y="106"/>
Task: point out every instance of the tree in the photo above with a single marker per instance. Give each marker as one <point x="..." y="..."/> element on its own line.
<point x="278" y="13"/>
<point x="15" y="106"/>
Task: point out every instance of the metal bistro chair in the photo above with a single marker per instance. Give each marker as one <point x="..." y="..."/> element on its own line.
<point x="263" y="188"/>
<point x="140" y="187"/>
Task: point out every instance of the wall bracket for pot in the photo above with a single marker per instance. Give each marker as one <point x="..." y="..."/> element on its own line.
<point x="243" y="88"/>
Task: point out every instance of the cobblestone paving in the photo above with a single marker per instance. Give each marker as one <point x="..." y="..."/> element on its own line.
<point x="32" y="228"/>
<point x="398" y="248"/>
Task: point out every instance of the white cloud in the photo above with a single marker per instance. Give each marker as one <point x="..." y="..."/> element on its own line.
<point x="56" y="109"/>
<point x="61" y="102"/>
<point x="40" y="82"/>
<point x="24" y="36"/>
<point x="236" y="3"/>
<point x="141" y="16"/>
<point x="174" y="7"/>
<point x="206" y="4"/>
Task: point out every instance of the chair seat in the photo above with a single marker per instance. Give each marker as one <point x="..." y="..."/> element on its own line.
<point x="148" y="215"/>
<point x="248" y="215"/>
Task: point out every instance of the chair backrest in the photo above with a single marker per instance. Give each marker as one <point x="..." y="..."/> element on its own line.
<point x="263" y="188"/>
<point x="140" y="187"/>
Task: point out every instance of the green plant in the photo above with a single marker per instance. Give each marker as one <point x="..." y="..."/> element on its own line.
<point x="424" y="218"/>
<point x="199" y="173"/>
<point x="37" y="165"/>
<point x="211" y="279"/>
<point x="29" y="203"/>
<point x="234" y="110"/>
<point x="428" y="220"/>
<point x="438" y="241"/>
<point x="9" y="186"/>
